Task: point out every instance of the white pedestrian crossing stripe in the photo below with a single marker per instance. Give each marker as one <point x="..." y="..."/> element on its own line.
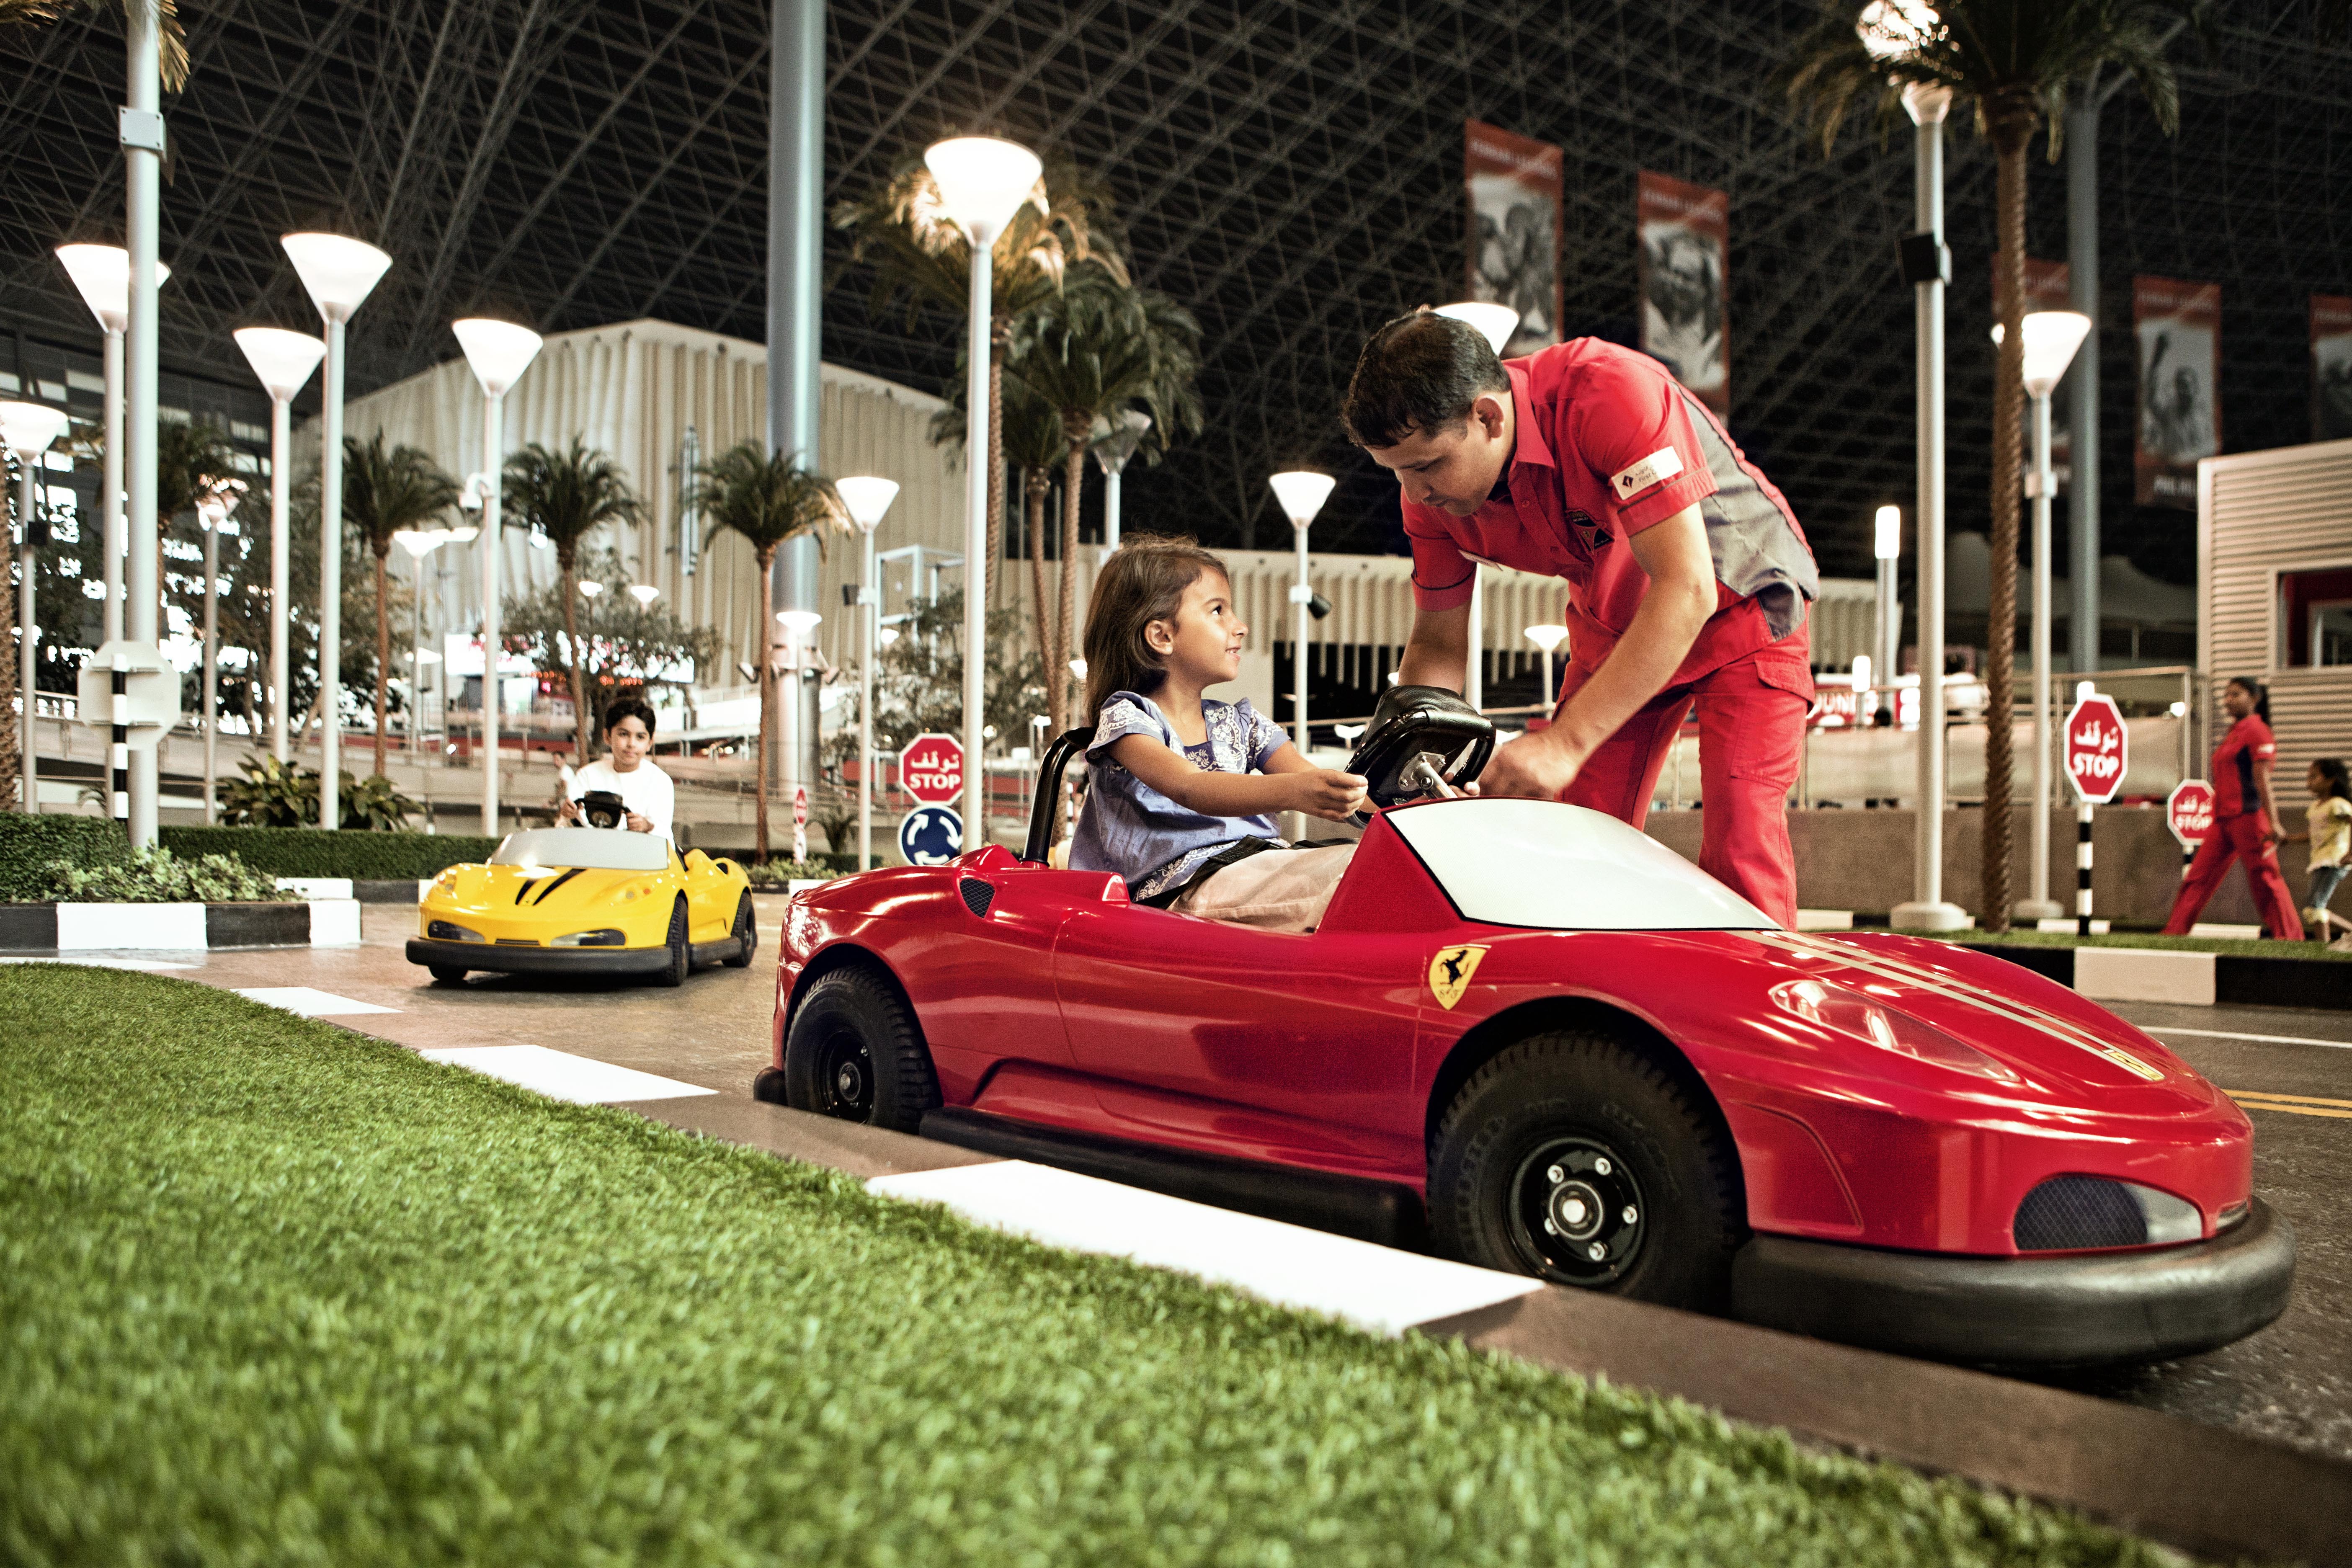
<point x="559" y="1074"/>
<point x="308" y="1002"/>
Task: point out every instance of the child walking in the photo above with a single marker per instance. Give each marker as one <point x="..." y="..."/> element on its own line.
<point x="1180" y="789"/>
<point x="2328" y="828"/>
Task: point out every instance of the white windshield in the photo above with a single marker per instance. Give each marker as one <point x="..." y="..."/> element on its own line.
<point x="1561" y="868"/>
<point x="597" y="848"/>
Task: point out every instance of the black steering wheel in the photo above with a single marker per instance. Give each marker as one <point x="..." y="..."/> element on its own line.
<point x="1423" y="741"/>
<point x="603" y="808"/>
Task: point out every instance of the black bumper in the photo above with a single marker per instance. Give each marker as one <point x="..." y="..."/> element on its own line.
<point x="2082" y="1310"/>
<point x="497" y="960"/>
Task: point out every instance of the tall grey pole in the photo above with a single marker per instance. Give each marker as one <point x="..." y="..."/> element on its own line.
<point x="975" y="541"/>
<point x="281" y="493"/>
<point x="211" y="661"/>
<point x="795" y="258"/>
<point x="111" y="500"/>
<point x="1301" y="593"/>
<point x="2044" y="481"/>
<point x="2082" y="377"/>
<point x="143" y="152"/>
<point x="1889" y="651"/>
<point x="1111" y="509"/>
<point x="1927" y="910"/>
<point x="494" y="471"/>
<point x="331" y="580"/>
<point x="27" y="634"/>
<point x="869" y="605"/>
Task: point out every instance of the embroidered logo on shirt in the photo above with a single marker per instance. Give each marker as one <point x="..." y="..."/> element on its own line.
<point x="1656" y="469"/>
<point x="1450" y="972"/>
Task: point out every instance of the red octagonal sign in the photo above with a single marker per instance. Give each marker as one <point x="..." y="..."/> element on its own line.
<point x="931" y="769"/>
<point x="2188" y="812"/>
<point x="2097" y="748"/>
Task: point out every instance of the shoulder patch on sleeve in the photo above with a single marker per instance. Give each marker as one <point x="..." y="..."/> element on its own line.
<point x="1656" y="469"/>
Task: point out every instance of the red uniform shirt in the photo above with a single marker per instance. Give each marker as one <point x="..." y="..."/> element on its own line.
<point x="2249" y="742"/>
<point x="1607" y="444"/>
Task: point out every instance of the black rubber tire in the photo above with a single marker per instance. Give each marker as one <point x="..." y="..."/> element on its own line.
<point x="681" y="954"/>
<point x="855" y="1052"/>
<point x="447" y="973"/>
<point x="746" y="934"/>
<point x="1577" y="1101"/>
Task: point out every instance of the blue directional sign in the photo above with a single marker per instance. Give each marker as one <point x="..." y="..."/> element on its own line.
<point x="930" y="835"/>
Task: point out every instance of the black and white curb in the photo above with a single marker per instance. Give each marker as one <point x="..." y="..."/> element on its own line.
<point x="2190" y="979"/>
<point x="180" y="928"/>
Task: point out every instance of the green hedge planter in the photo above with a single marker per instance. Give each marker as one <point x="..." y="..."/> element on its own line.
<point x="29" y="844"/>
<point x="307" y="852"/>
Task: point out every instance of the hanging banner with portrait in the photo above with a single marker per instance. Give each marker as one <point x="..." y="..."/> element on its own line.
<point x="2331" y="367"/>
<point x="2178" y="327"/>
<point x="1684" y="238"/>
<point x="1513" y="187"/>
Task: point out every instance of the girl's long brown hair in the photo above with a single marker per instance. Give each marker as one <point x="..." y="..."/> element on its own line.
<point x="1143" y="581"/>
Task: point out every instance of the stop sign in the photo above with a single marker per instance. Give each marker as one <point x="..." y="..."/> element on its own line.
<point x="2189" y="811"/>
<point x="2097" y="746"/>
<point x="931" y="769"/>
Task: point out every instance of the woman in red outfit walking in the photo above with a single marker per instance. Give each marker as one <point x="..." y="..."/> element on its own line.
<point x="2245" y="820"/>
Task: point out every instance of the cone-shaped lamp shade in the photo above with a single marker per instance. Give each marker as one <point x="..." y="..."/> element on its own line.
<point x="982" y="181"/>
<point x="1548" y="637"/>
<point x="590" y="588"/>
<point x="644" y="593"/>
<point x="1895" y="29"/>
<point x="103" y="273"/>
<point x="1114" y="441"/>
<point x="1496" y="322"/>
<point x="798" y="621"/>
<point x="421" y="542"/>
<point x="498" y="351"/>
<point x="2051" y="339"/>
<point x="1302" y="494"/>
<point x="27" y="428"/>
<point x="867" y="497"/>
<point x="283" y="360"/>
<point x="1889" y="541"/>
<point x="338" y="271"/>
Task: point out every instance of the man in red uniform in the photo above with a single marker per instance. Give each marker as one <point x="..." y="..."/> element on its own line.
<point x="1689" y="576"/>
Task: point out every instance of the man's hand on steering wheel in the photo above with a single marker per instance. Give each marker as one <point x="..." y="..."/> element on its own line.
<point x="1533" y="767"/>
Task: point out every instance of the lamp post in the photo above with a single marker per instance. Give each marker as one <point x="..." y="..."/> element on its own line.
<point x="1548" y="637"/>
<point x="141" y="131"/>
<point x="27" y="429"/>
<point x="983" y="183"/>
<point x="1302" y="495"/>
<point x="340" y="273"/>
<point x="868" y="499"/>
<point x="1115" y="442"/>
<point x="102" y="275"/>
<point x="497" y="352"/>
<point x="1887" y="546"/>
<point x="212" y="516"/>
<point x="283" y="360"/>
<point x="1496" y="323"/>
<point x="2051" y="339"/>
<point x="798" y="624"/>
<point x="421" y="542"/>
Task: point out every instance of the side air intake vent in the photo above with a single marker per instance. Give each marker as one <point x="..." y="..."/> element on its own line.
<point x="977" y="896"/>
<point x="2073" y="1214"/>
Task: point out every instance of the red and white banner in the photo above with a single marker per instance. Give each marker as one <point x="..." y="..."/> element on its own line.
<point x="1513" y="189"/>
<point x="1683" y="235"/>
<point x="2331" y="367"/>
<point x="2179" y="328"/>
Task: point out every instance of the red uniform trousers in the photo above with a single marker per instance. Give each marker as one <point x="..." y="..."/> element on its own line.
<point x="2233" y="837"/>
<point x="1751" y="724"/>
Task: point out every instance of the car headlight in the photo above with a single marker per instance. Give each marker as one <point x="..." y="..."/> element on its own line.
<point x="608" y="937"/>
<point x="449" y="931"/>
<point x="1889" y="1029"/>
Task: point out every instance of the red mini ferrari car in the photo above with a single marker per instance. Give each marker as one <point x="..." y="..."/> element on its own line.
<point x="1531" y="1037"/>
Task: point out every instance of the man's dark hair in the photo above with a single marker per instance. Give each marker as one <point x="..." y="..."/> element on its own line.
<point x="1421" y="371"/>
<point x="629" y="707"/>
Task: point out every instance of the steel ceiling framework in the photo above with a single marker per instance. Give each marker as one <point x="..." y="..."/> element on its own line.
<point x="1291" y="172"/>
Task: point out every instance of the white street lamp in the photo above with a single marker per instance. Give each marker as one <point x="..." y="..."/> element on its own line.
<point x="1302" y="494"/>
<point x="284" y="361"/>
<point x="212" y="516"/>
<point x="497" y="352"/>
<point x="103" y="274"/>
<point x="1114" y="446"/>
<point x="2051" y="339"/>
<point x="141" y="131"/>
<point x="983" y="183"/>
<point x="1496" y="322"/>
<point x="421" y="542"/>
<point x="868" y="499"/>
<point x="645" y="593"/>
<point x="1548" y="637"/>
<point x="798" y="624"/>
<point x="340" y="273"/>
<point x="591" y="588"/>
<point x="1887" y="545"/>
<point x="27" y="429"/>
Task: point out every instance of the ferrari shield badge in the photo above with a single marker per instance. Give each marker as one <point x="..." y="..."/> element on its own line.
<point x="1450" y="972"/>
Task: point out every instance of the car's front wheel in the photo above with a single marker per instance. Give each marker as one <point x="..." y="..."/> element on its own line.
<point x="447" y="973"/>
<point x="746" y="934"/>
<point x="681" y="954"/>
<point x="1576" y="1158"/>
<point x="854" y="1052"/>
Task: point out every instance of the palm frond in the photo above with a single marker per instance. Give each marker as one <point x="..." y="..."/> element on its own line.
<point x="769" y="499"/>
<point x="387" y="491"/>
<point x="567" y="496"/>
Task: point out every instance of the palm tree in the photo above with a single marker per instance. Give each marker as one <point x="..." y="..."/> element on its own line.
<point x="385" y="493"/>
<point x="921" y="259"/>
<point x="566" y="497"/>
<point x="768" y="501"/>
<point x="2013" y="61"/>
<point x="172" y="40"/>
<point x="1035" y="443"/>
<point x="1097" y="349"/>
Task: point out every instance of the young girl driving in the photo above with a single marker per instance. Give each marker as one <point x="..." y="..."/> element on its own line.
<point x="1181" y="789"/>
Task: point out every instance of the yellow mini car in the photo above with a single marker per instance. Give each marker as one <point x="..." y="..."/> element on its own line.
<point x="586" y="901"/>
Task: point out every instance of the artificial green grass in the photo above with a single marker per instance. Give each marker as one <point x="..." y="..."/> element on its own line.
<point x="273" y="1292"/>
<point x="2262" y="947"/>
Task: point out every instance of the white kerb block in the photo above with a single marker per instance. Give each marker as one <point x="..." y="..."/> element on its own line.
<point x="334" y="923"/>
<point x="130" y="926"/>
<point x="2144" y="974"/>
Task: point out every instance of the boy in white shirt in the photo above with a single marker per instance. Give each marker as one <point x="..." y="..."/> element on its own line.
<point x="628" y="772"/>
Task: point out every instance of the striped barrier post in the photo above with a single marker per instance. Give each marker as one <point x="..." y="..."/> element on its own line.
<point x="2082" y="868"/>
<point x="118" y="755"/>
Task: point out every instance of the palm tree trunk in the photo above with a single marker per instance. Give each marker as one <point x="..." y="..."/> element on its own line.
<point x="2011" y="123"/>
<point x="571" y="591"/>
<point x="767" y="701"/>
<point x="382" y="658"/>
<point x="1000" y="339"/>
<point x="1036" y="490"/>
<point x="11" y="765"/>
<point x="1076" y="427"/>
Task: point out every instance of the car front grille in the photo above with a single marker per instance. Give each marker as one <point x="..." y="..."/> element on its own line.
<point x="2073" y="1214"/>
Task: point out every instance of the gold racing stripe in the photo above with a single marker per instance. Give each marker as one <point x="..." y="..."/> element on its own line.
<point x="2292" y="1104"/>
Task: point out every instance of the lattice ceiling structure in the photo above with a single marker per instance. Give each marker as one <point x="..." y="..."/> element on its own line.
<point x="1291" y="172"/>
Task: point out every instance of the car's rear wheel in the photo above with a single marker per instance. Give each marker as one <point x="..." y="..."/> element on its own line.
<point x="447" y="973"/>
<point x="681" y="955"/>
<point x="855" y="1052"/>
<point x="746" y="934"/>
<point x="1576" y="1158"/>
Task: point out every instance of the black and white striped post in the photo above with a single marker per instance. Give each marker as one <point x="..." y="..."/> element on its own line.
<point x="2082" y="868"/>
<point x="118" y="754"/>
<point x="2097" y="753"/>
<point x="127" y="685"/>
